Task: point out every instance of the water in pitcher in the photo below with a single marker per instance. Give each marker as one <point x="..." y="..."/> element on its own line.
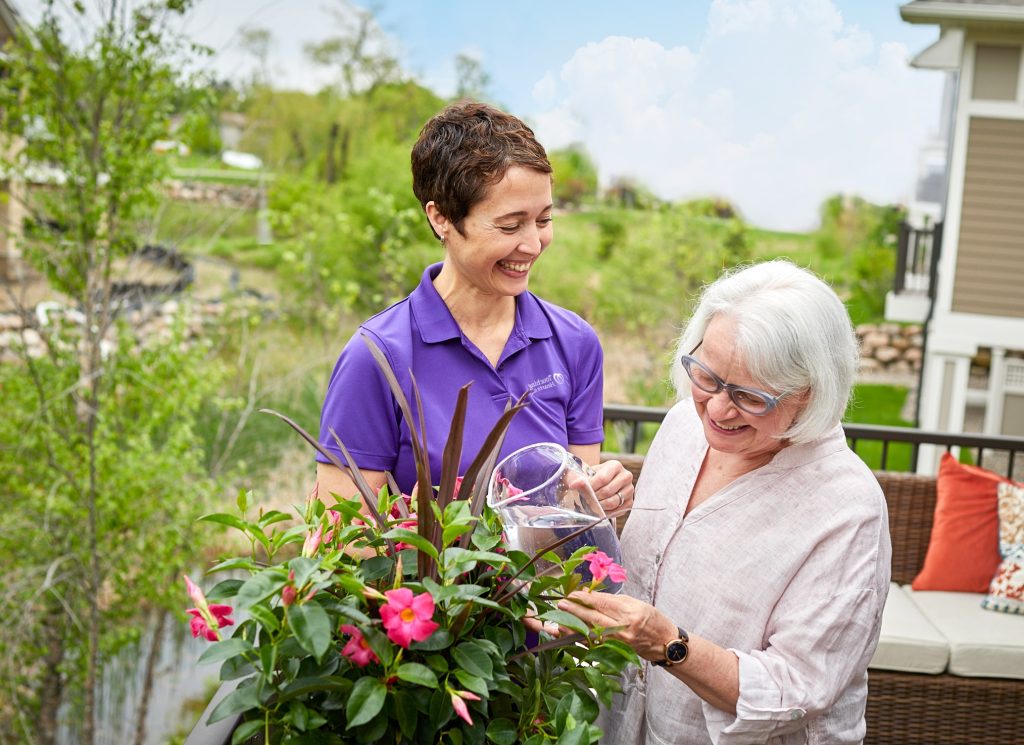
<point x="542" y="494"/>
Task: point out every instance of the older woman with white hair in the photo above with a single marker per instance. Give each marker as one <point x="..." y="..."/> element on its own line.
<point x="758" y="547"/>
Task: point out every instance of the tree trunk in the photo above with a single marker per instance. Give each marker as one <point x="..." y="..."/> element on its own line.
<point x="330" y="169"/>
<point x="300" y="149"/>
<point x="147" y="681"/>
<point x="53" y="684"/>
<point x="343" y="152"/>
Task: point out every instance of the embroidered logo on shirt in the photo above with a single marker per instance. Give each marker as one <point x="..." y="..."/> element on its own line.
<point x="548" y="381"/>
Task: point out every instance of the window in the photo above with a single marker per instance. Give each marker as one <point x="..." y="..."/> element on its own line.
<point x="996" y="72"/>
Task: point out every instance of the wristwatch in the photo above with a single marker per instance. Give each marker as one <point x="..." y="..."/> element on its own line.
<point x="676" y="650"/>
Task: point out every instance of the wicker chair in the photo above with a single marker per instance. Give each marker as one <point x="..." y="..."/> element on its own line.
<point x="916" y="709"/>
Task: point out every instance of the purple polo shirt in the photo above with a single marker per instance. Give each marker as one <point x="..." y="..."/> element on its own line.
<point x="551" y="352"/>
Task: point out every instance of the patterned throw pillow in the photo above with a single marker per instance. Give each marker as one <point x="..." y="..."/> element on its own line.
<point x="1006" y="593"/>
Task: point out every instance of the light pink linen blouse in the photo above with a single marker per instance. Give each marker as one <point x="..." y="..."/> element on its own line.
<point x="788" y="567"/>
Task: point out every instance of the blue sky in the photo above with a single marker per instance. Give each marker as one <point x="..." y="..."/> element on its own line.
<point x="774" y="104"/>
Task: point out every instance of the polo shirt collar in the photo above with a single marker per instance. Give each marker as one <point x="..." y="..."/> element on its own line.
<point x="436" y="323"/>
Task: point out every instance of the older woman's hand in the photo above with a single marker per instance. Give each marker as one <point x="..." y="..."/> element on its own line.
<point x="641" y="626"/>
<point x="613" y="485"/>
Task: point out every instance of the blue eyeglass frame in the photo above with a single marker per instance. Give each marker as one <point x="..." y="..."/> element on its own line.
<point x="770" y="401"/>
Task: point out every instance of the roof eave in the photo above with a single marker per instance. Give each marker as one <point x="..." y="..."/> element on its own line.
<point x="933" y="12"/>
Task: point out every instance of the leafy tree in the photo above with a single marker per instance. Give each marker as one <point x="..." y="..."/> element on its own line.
<point x="858" y="237"/>
<point x="471" y="78"/>
<point x="101" y="476"/>
<point x="575" y="176"/>
<point x="258" y="41"/>
<point x="360" y="53"/>
<point x="362" y="242"/>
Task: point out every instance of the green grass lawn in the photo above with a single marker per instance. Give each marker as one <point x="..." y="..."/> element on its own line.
<point x="880" y="404"/>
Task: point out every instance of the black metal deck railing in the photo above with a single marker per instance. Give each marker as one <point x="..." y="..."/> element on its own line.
<point x="991" y="451"/>
<point x="917" y="259"/>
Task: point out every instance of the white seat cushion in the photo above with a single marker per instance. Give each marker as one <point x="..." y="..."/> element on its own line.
<point x="982" y="644"/>
<point x="908" y="643"/>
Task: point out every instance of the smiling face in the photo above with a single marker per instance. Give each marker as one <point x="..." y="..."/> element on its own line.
<point x="501" y="237"/>
<point x="728" y="428"/>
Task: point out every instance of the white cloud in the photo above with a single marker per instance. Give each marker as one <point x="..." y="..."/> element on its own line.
<point x="782" y="105"/>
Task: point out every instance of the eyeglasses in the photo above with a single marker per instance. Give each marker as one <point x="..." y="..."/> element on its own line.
<point x="750" y="400"/>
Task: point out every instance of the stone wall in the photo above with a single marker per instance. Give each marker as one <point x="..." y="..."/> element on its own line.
<point x="226" y="195"/>
<point x="48" y="322"/>
<point x="890" y="348"/>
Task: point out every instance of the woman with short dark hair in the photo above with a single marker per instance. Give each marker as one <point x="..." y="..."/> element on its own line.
<point x="485" y="185"/>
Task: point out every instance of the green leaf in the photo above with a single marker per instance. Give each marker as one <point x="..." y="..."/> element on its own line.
<point x="455" y="555"/>
<point x="565" y="619"/>
<point x="366" y="700"/>
<point x="473" y="659"/>
<point x="235" y="668"/>
<point x="244" y="500"/>
<point x="224" y="649"/>
<point x="303" y="568"/>
<point x="376" y="567"/>
<point x="501" y="732"/>
<point x="259" y="587"/>
<point x="440" y="639"/>
<point x="405" y="708"/>
<point x="264" y="617"/>
<point x="351" y="613"/>
<point x="230" y="520"/>
<point x="437" y="662"/>
<point x="268" y="655"/>
<point x="243" y="698"/>
<point x="574" y="734"/>
<point x="246" y="730"/>
<point x="240" y="562"/>
<point x="413" y="539"/>
<point x="414" y="672"/>
<point x="301" y="687"/>
<point x="472" y="682"/>
<point x="271" y="517"/>
<point x="224" y="590"/>
<point x="451" y="532"/>
<point x="298" y="714"/>
<point x="312" y="627"/>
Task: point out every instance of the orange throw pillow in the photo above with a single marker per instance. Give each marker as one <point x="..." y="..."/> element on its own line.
<point x="963" y="551"/>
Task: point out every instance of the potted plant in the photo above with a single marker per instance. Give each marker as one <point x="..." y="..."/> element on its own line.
<point x="421" y="641"/>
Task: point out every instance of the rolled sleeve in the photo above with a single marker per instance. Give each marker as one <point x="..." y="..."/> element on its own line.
<point x="803" y="671"/>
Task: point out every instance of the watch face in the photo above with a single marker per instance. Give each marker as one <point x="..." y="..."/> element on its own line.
<point x="676" y="651"/>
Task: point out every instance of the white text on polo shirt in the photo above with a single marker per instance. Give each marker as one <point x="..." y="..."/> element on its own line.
<point x="549" y="381"/>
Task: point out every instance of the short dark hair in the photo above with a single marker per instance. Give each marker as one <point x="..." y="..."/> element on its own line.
<point x="466" y="148"/>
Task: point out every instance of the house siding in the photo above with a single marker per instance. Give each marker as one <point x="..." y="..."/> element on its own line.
<point x="990" y="257"/>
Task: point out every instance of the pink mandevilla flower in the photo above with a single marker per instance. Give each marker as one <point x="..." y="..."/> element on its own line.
<point x="200" y="624"/>
<point x="602" y="565"/>
<point x="194" y="592"/>
<point x="206" y="619"/>
<point x="408" y="617"/>
<point x="357" y="650"/>
<point x="312" y="542"/>
<point x="460" y="705"/>
<point x="395" y="511"/>
<point x="288" y="594"/>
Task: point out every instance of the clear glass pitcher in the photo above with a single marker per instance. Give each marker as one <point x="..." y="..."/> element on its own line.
<point x="542" y="493"/>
